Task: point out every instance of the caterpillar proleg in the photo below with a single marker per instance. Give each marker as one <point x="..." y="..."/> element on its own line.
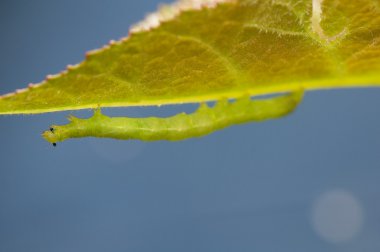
<point x="203" y="121"/>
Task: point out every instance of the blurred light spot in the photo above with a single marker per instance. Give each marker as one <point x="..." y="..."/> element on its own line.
<point x="337" y="216"/>
<point x="117" y="151"/>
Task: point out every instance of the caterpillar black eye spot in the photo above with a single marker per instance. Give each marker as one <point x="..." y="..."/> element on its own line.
<point x="52" y="129"/>
<point x="55" y="144"/>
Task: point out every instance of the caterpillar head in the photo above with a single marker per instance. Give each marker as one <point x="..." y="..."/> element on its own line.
<point x="53" y="135"/>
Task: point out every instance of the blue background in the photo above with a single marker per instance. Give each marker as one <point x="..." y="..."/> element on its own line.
<point x="294" y="184"/>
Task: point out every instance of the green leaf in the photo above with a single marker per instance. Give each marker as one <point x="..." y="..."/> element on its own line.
<point x="195" y="51"/>
<point x="204" y="50"/>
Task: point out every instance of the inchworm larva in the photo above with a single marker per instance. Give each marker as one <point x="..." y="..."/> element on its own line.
<point x="203" y="121"/>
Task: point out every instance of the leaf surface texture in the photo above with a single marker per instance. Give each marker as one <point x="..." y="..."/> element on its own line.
<point x="196" y="51"/>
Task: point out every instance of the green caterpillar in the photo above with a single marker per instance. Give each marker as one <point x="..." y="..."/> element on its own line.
<point x="203" y="121"/>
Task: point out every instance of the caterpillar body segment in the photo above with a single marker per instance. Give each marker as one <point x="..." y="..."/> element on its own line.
<point x="203" y="121"/>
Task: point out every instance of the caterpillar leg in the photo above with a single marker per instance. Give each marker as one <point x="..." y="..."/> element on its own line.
<point x="181" y="126"/>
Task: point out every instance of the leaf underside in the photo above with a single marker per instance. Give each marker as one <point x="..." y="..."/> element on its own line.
<point x="223" y="50"/>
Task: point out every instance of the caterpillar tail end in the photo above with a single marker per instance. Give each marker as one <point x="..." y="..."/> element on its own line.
<point x="298" y="94"/>
<point x="297" y="97"/>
